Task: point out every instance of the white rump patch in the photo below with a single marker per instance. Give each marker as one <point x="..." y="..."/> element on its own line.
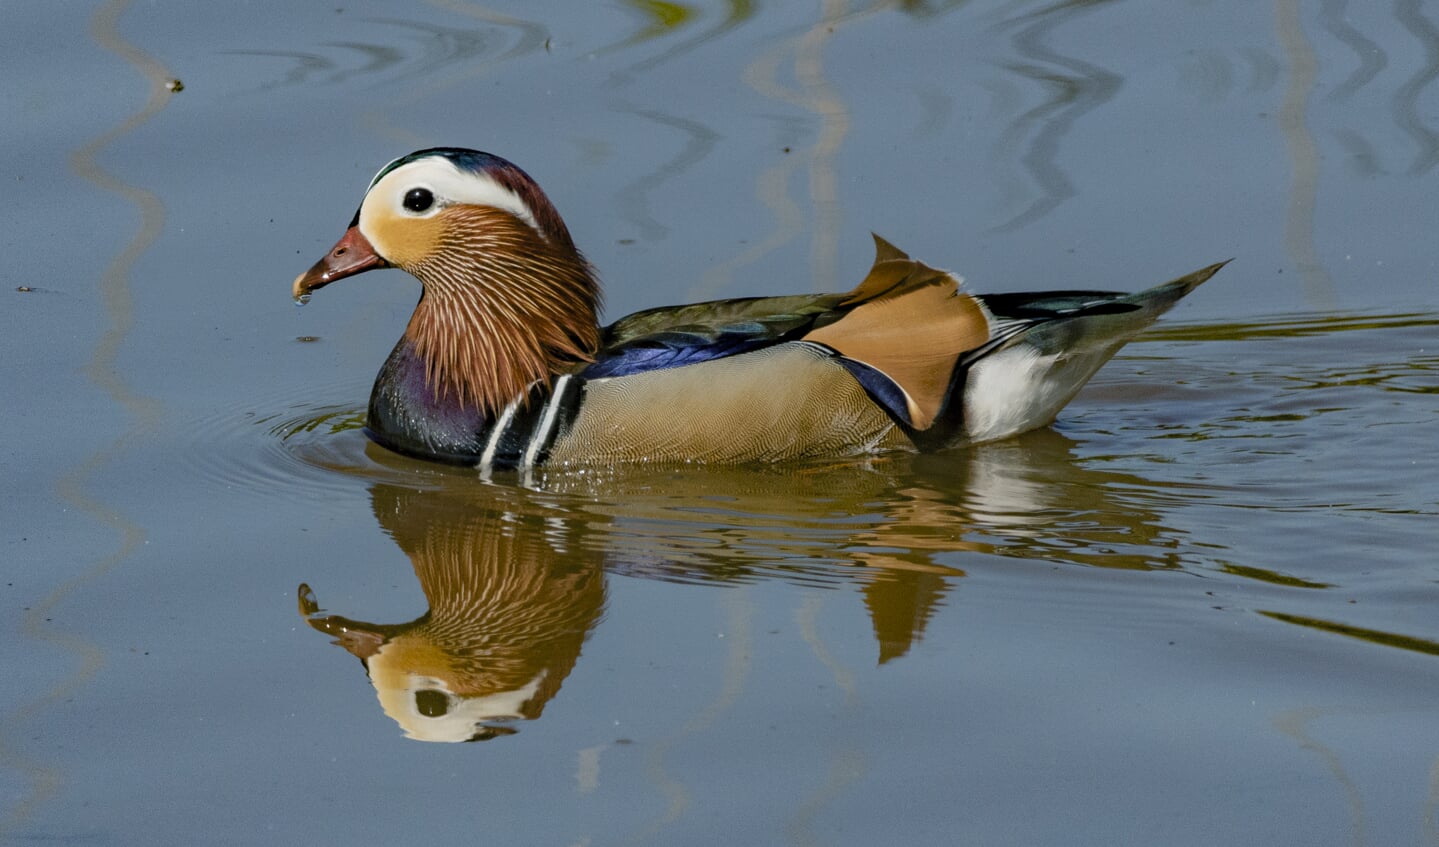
<point x="1019" y="388"/>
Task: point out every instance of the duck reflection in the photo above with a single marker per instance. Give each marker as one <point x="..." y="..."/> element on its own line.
<point x="508" y="614"/>
<point x="515" y="577"/>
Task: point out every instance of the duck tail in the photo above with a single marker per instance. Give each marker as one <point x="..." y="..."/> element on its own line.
<point x="1068" y="322"/>
<point x="1161" y="298"/>
<point x="1047" y="345"/>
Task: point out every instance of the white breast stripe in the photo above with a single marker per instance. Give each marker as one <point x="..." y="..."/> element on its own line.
<point x="487" y="458"/>
<point x="547" y="423"/>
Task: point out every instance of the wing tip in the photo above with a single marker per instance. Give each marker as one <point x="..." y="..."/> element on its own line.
<point x="884" y="250"/>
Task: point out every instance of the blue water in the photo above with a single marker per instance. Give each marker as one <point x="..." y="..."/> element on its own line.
<point x="1200" y="610"/>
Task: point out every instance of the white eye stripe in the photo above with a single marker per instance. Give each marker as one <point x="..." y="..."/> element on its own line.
<point x="449" y="185"/>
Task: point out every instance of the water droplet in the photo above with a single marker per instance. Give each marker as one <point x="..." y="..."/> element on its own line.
<point x="302" y="299"/>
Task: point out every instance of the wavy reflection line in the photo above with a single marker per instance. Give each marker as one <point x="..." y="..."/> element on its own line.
<point x="738" y="13"/>
<point x="530" y="37"/>
<point x="438" y="46"/>
<point x="739" y="635"/>
<point x="847" y="763"/>
<point x="375" y="58"/>
<point x="1264" y="69"/>
<point x="807" y="618"/>
<point x="1372" y="58"/>
<point x="771" y="186"/>
<point x="1430" y="817"/>
<point x="307" y="66"/>
<point x="815" y="94"/>
<point x="927" y="9"/>
<point x="633" y="199"/>
<point x="1295" y="724"/>
<point x="772" y="191"/>
<point x="455" y="44"/>
<point x="1406" y="99"/>
<point x="118" y="305"/>
<point x="847" y="766"/>
<point x="1076" y="87"/>
<point x="1361" y="156"/>
<point x="1303" y="154"/>
<point x="833" y="112"/>
<point x="1213" y="75"/>
<point x="658" y="19"/>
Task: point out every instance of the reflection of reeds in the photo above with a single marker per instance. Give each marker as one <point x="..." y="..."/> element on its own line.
<point x="1371" y="57"/>
<point x="1303" y="154"/>
<point x="847" y="762"/>
<point x="817" y="96"/>
<point x="117" y="300"/>
<point x="1407" y="98"/>
<point x="739" y="636"/>
<point x="657" y="19"/>
<point x="438" y="47"/>
<point x="736" y="13"/>
<point x="632" y="200"/>
<point x="1296" y="724"/>
<point x="430" y="58"/>
<point x="1075" y="88"/>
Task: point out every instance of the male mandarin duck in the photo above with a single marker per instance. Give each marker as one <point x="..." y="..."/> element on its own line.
<point x="504" y="364"/>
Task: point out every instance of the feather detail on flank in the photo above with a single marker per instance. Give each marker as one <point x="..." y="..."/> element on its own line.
<point x="501" y="309"/>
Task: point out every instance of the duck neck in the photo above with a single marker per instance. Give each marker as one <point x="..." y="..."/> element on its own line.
<point x="504" y="311"/>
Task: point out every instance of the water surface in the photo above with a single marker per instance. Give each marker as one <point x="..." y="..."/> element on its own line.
<point x="1198" y="610"/>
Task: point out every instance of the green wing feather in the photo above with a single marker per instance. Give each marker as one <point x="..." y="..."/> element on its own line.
<point x="774" y="316"/>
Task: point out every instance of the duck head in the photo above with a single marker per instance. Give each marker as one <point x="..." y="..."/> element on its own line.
<point x="507" y="298"/>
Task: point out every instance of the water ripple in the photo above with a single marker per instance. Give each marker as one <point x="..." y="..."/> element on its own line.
<point x="1315" y="400"/>
<point x="1407" y="98"/>
<point x="1372" y="59"/>
<point x="1076" y="87"/>
<point x="430" y="49"/>
<point x="633" y="198"/>
<point x="737" y="13"/>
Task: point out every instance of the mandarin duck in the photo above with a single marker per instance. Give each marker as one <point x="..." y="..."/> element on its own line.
<point x="504" y="364"/>
<point x="508" y="614"/>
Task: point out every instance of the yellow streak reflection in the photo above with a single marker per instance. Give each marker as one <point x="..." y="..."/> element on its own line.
<point x="1295" y="724"/>
<point x="118" y="304"/>
<point x="1303" y="153"/>
<point x="739" y="636"/>
<point x="847" y="763"/>
<point x="659" y="19"/>
<point x="815" y="94"/>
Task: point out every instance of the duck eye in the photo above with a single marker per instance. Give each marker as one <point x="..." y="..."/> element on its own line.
<point x="419" y="199"/>
<point x="431" y="703"/>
